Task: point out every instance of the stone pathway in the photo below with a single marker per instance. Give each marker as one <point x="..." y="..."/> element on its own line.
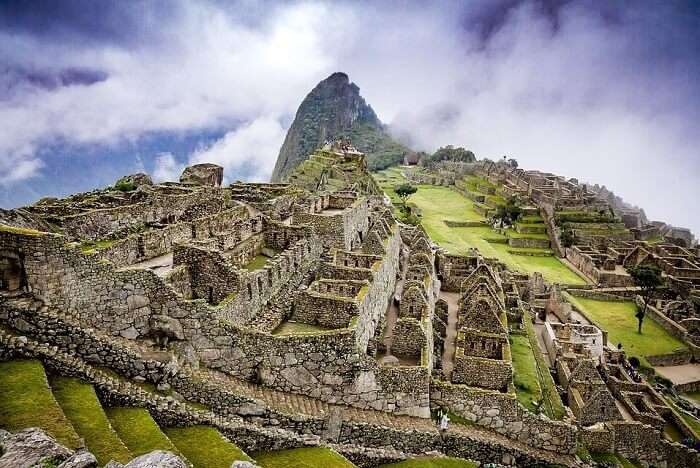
<point x="448" y="355"/>
<point x="680" y="374"/>
<point x="159" y="265"/>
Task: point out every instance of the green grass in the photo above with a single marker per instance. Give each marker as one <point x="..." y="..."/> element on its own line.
<point x="525" y="377"/>
<point x="612" y="459"/>
<point x="552" y="404"/>
<point x="257" y="263"/>
<point x="519" y="235"/>
<point x="693" y="395"/>
<point x="137" y="429"/>
<point x="442" y="203"/>
<point x="204" y="446"/>
<point x="618" y="318"/>
<point x="81" y="406"/>
<point x="443" y="462"/>
<point x="438" y="204"/>
<point x="302" y="458"/>
<point x="26" y="401"/>
<point x="692" y="422"/>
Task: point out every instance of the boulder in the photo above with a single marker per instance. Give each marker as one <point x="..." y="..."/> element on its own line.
<point x="203" y="174"/>
<point x="157" y="459"/>
<point x="80" y="459"/>
<point x="243" y="464"/>
<point x="30" y="447"/>
<point x="164" y="329"/>
<point x="134" y="180"/>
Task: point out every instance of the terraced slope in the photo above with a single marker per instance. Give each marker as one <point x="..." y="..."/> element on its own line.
<point x="26" y="401"/>
<point x="82" y="407"/>
<point x="205" y="447"/>
<point x="139" y="432"/>
<point x="439" y="204"/>
<point x="303" y="458"/>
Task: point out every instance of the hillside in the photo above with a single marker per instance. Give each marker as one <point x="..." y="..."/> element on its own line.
<point x="334" y="109"/>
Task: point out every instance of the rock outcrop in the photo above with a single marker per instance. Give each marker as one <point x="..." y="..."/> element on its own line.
<point x="31" y="447"/>
<point x="134" y="180"/>
<point x="203" y="174"/>
<point x="334" y="109"/>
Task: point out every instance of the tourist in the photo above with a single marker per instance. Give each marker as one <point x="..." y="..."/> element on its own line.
<point x="444" y="422"/>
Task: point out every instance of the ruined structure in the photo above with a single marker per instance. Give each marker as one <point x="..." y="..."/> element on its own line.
<point x="304" y="313"/>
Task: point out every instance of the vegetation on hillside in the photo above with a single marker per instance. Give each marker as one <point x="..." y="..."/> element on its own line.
<point x="381" y="149"/>
<point x="648" y="278"/>
<point x="448" y="152"/>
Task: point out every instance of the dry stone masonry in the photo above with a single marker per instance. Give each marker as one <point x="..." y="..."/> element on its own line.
<point x="304" y="313"/>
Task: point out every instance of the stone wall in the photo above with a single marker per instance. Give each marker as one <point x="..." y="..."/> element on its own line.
<point x="409" y="338"/>
<point x="502" y="412"/>
<point x="325" y="310"/>
<point x="146" y="245"/>
<point x="344" y="230"/>
<point x="487" y="373"/>
<point x="158" y="208"/>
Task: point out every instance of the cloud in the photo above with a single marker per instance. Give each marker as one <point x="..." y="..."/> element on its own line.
<point x="248" y="152"/>
<point x="208" y="70"/>
<point x="166" y="169"/>
<point x="603" y="91"/>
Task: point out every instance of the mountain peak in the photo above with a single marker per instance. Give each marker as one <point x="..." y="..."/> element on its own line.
<point x="334" y="108"/>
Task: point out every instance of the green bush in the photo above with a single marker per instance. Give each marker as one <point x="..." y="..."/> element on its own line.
<point x="124" y="186"/>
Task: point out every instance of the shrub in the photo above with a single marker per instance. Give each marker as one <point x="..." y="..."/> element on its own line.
<point x="124" y="186"/>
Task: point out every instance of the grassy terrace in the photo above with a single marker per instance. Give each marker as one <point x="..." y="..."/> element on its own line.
<point x="442" y="462"/>
<point x="619" y="320"/>
<point x="257" y="263"/>
<point x="139" y="431"/>
<point x="205" y="447"/>
<point x="84" y="410"/>
<point x="525" y="377"/>
<point x="26" y="401"/>
<point x="438" y="204"/>
<point x="302" y="458"/>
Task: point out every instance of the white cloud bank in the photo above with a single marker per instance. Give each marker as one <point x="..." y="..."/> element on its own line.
<point x="586" y="98"/>
<point x="250" y="149"/>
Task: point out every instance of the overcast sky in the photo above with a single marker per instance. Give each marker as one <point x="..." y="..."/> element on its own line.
<point x="605" y="91"/>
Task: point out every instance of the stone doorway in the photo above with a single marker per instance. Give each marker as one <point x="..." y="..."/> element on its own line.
<point x="12" y="275"/>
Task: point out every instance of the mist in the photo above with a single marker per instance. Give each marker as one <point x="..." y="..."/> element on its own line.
<point x="601" y="91"/>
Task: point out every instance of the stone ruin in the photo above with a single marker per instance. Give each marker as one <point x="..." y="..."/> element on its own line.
<point x="300" y="314"/>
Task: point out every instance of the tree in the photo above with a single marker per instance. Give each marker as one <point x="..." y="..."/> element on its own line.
<point x="648" y="278"/>
<point x="509" y="213"/>
<point x="567" y="237"/>
<point x="405" y="190"/>
<point x="451" y="153"/>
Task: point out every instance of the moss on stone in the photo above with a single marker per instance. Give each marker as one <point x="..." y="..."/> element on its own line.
<point x="20" y="231"/>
